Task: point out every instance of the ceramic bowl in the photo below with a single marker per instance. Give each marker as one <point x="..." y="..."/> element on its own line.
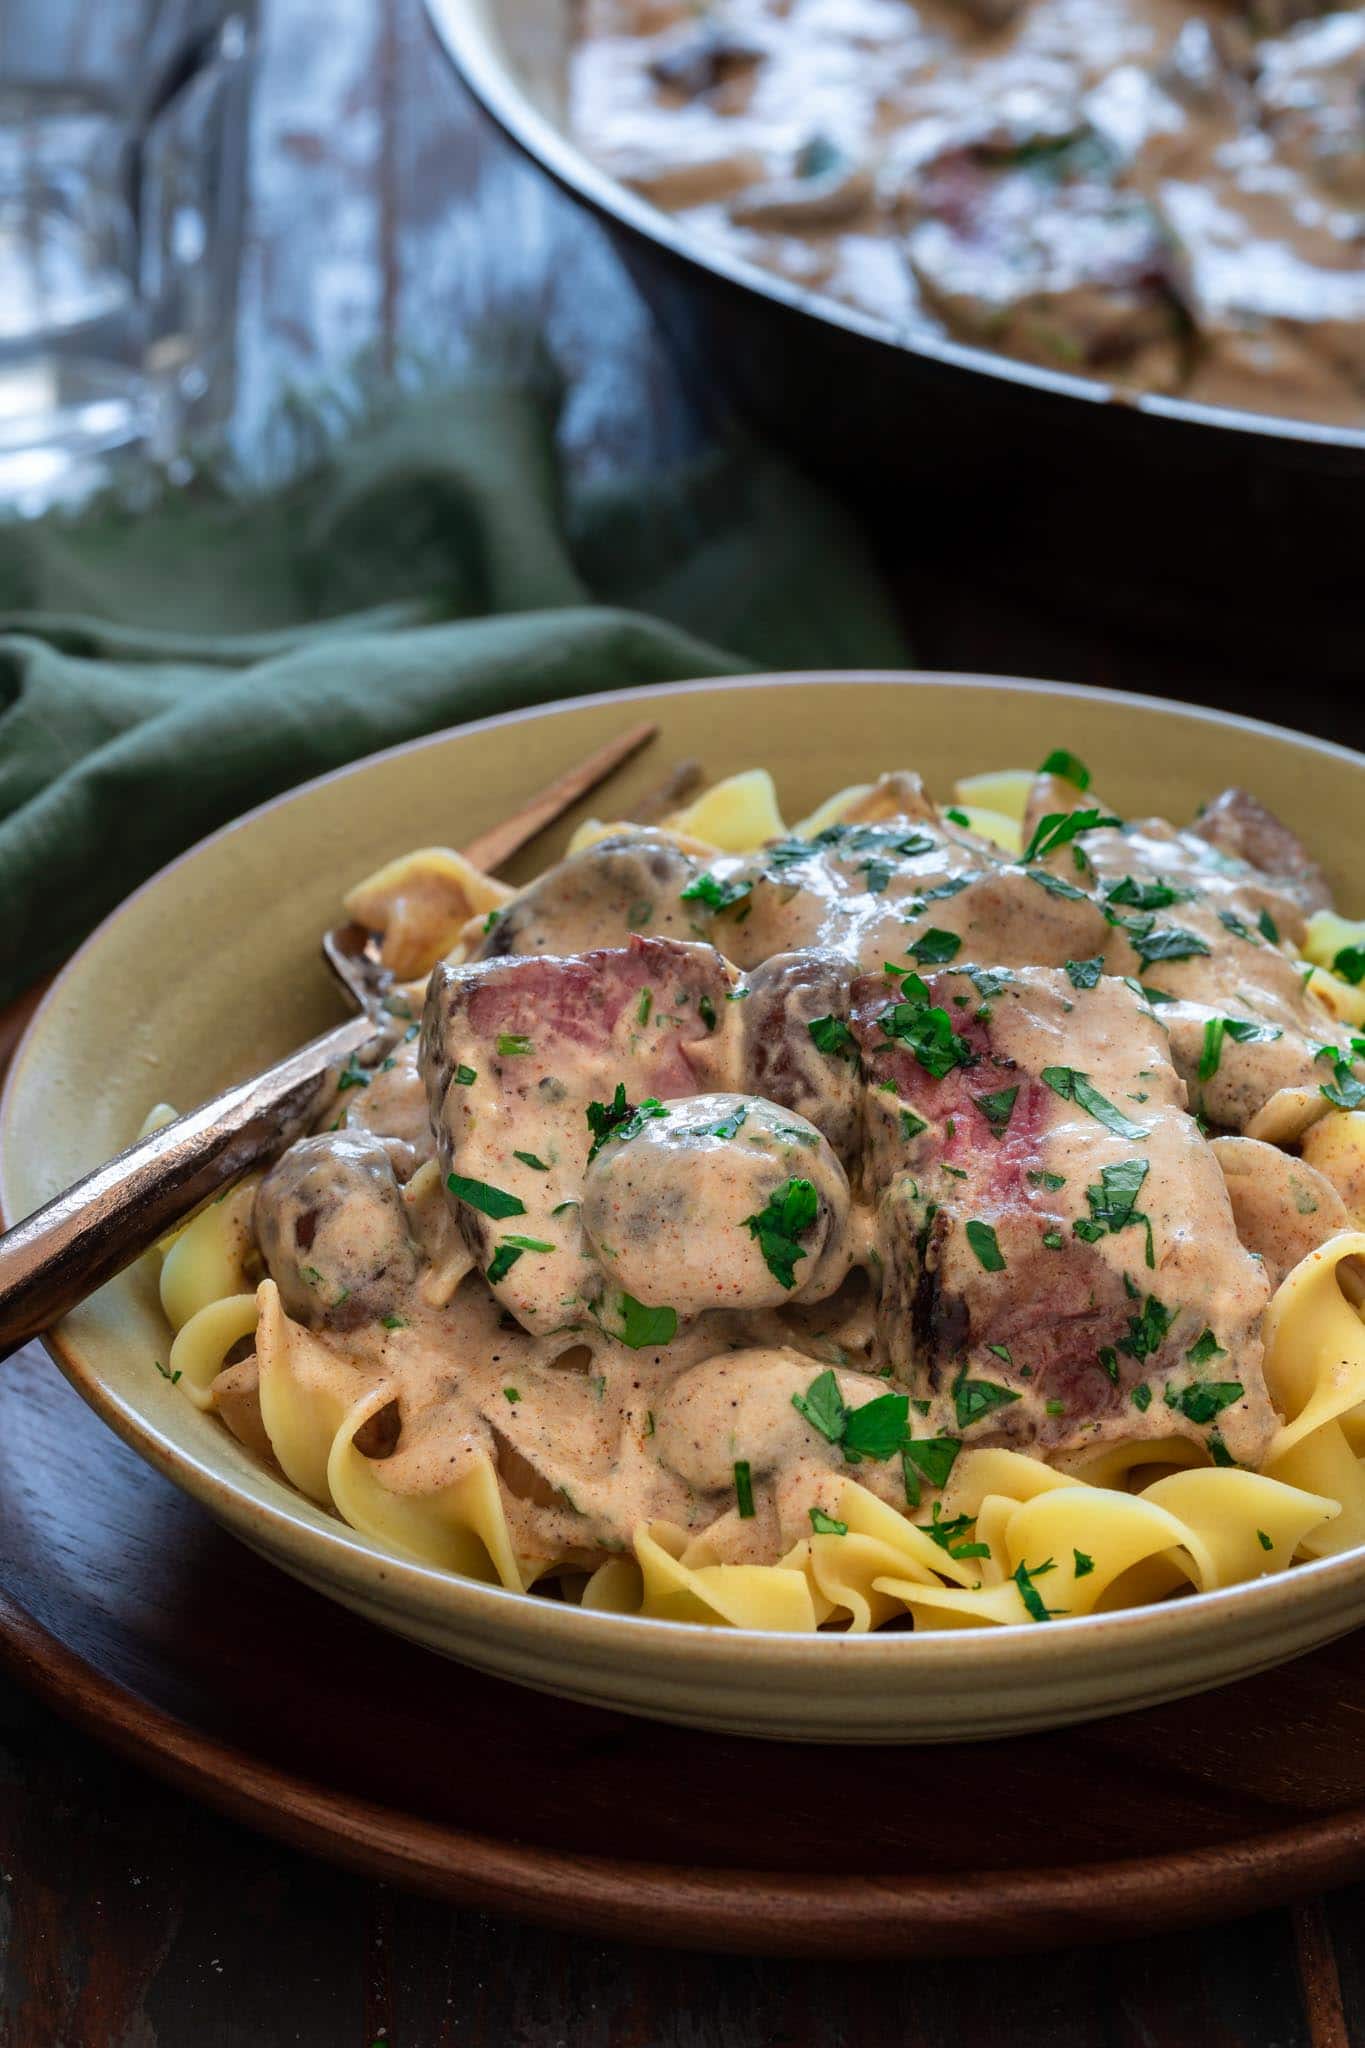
<point x="213" y="968"/>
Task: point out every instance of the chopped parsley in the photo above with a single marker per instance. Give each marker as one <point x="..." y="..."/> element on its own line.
<point x="511" y="1394"/>
<point x="1147" y="1330"/>
<point x="1052" y="1240"/>
<point x="511" y="1044"/>
<point x="352" y="1075"/>
<point x="832" y="1035"/>
<point x="166" y="1373"/>
<point x="1060" y="762"/>
<point x="744" y="1490"/>
<point x="789" y="1212"/>
<point x="876" y="1430"/>
<point x="911" y="1125"/>
<point x="958" y="817"/>
<point x="1112" y="1203"/>
<point x="632" y="1324"/>
<point x="1059" y="828"/>
<point x="501" y="1263"/>
<point x="489" y="1201"/>
<point x="973" y="1400"/>
<point x="717" y="895"/>
<point x="947" y="1534"/>
<point x="724" y="1127"/>
<point x="926" y="1030"/>
<point x="1074" y="1086"/>
<point x="1135" y="895"/>
<point x="1169" y="942"/>
<point x="825" y="1525"/>
<point x="1266" y="1542"/>
<point x="1234" y="924"/>
<point x="933" y="1456"/>
<point x="644" y="1006"/>
<point x="530" y="1159"/>
<point x="1267" y="927"/>
<point x="998" y="1108"/>
<point x="1204" y="1348"/>
<point x="706" y="1010"/>
<point x="935" y="948"/>
<point x="1055" y="886"/>
<point x="619" y="1119"/>
<point x="466" y="1076"/>
<point x="1083" y="1565"/>
<point x="983" y="1241"/>
<point x="1024" y="1576"/>
<point x="1039" y="1177"/>
<point x="1345" y="1092"/>
<point x="1349" y="963"/>
<point x="1085" y="973"/>
<point x="393" y="1322"/>
<point x="1206" y="1399"/>
<point x="1141" y="1397"/>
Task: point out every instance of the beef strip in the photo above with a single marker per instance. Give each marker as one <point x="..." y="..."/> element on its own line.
<point x="1053" y="1106"/>
<point x="515" y="1051"/>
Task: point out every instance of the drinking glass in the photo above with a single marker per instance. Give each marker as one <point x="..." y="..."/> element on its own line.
<point x="123" y="133"/>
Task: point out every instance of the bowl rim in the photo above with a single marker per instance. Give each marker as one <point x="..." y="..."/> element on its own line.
<point x="494" y="84"/>
<point x="342" y="1556"/>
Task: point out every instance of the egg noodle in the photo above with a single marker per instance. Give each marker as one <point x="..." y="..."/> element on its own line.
<point x="985" y="1535"/>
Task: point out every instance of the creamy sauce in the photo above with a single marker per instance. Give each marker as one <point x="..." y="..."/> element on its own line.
<point x="886" y="1106"/>
<point x="1167" y="194"/>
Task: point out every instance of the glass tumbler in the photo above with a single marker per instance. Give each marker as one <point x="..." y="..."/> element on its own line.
<point x="123" y="138"/>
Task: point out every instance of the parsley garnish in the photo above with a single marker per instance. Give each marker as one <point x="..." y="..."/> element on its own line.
<point x="825" y="1525"/>
<point x="744" y="1489"/>
<point x="1141" y="1397"/>
<point x="715" y="894"/>
<point x="724" y="1127"/>
<point x="166" y="1373"/>
<point x="1169" y="943"/>
<point x="530" y="1159"/>
<point x="466" y="1076"/>
<point x="876" y="1430"/>
<point x="1060" y="762"/>
<point x="706" y="1010"/>
<point x="946" y="1534"/>
<point x="998" y="1108"/>
<point x="1147" y="1330"/>
<point x="1265" y="1541"/>
<point x="1349" y="963"/>
<point x="974" y="1399"/>
<point x="501" y="1263"/>
<point x="1085" y="973"/>
<point x="512" y="1394"/>
<point x="935" y="948"/>
<point x="352" y="1075"/>
<point x="789" y="1212"/>
<point x="1206" y="1399"/>
<point x="982" y="1239"/>
<point x="1267" y="927"/>
<point x="634" y="1325"/>
<point x="926" y="1030"/>
<point x="1345" y="1092"/>
<point x="1038" y="1177"/>
<point x="1232" y="923"/>
<point x="1074" y="1086"/>
<point x="1055" y="886"/>
<point x="512" y="1043"/>
<point x="911" y="1125"/>
<point x="934" y="1456"/>
<point x="619" y="1119"/>
<point x="1024" y="1576"/>
<point x="1204" y="1348"/>
<point x="393" y="1322"/>
<point x="1112" y="1203"/>
<point x="1135" y="895"/>
<point x="832" y="1035"/>
<point x="1084" y="1565"/>
<point x="1059" y="828"/>
<point x="644" y="1006"/>
<point x="490" y="1201"/>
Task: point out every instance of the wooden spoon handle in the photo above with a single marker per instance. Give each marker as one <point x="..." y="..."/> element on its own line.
<point x="65" y="1250"/>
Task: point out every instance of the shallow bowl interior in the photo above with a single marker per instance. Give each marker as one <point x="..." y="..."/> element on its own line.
<point x="213" y="968"/>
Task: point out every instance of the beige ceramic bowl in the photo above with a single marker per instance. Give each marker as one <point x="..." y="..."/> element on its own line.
<point x="212" y="969"/>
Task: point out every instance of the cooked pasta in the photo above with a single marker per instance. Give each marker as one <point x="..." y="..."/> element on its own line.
<point x="945" y="1217"/>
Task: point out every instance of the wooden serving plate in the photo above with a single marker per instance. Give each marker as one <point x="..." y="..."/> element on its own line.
<point x="132" y="1613"/>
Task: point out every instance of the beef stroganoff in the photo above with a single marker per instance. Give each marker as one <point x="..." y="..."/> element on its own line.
<point x="1170" y="193"/>
<point x="937" y="1214"/>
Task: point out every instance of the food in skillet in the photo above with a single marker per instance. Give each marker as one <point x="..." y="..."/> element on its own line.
<point x="944" y="1213"/>
<point x="1170" y="195"/>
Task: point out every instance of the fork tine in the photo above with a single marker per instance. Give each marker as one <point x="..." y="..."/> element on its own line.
<point x="492" y="848"/>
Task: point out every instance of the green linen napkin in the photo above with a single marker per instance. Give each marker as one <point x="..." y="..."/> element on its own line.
<point x="161" y="674"/>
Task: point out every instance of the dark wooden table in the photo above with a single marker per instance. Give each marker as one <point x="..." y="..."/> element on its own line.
<point x="390" y="229"/>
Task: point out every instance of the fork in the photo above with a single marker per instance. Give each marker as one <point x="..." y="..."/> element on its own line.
<point x="84" y="1236"/>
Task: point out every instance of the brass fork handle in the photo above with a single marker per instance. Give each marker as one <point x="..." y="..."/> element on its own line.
<point x="84" y="1236"/>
